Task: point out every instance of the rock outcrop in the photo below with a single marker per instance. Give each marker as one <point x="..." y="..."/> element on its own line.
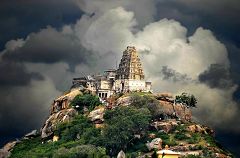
<point x="63" y="102"/>
<point x="165" y="125"/>
<point x="7" y="148"/>
<point x="97" y="114"/>
<point x="155" y="144"/>
<point x="196" y="128"/>
<point x="4" y="154"/>
<point x="52" y="121"/>
<point x="121" y="154"/>
<point x="178" y="110"/>
<point x="32" y="134"/>
<point x="124" y="101"/>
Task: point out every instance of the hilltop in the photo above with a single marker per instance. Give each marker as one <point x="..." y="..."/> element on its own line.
<point x="117" y="114"/>
<point x="133" y="124"/>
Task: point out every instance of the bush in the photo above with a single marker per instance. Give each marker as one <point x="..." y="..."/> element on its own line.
<point x="210" y="140"/>
<point x="194" y="139"/>
<point x="162" y="135"/>
<point x="180" y="136"/>
<point x="87" y="100"/>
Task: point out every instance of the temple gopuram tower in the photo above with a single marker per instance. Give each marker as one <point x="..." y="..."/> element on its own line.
<point x="130" y="66"/>
<point x="129" y="75"/>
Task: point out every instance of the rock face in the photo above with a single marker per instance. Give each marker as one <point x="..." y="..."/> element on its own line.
<point x="164" y="96"/>
<point x="200" y="129"/>
<point x="4" y="154"/>
<point x="6" y="150"/>
<point x="124" y="101"/>
<point x="32" y="134"/>
<point x="167" y="126"/>
<point x="155" y="144"/>
<point x="97" y="114"/>
<point x="9" y="146"/>
<point x="61" y="116"/>
<point x="63" y="101"/>
<point x="177" y="110"/>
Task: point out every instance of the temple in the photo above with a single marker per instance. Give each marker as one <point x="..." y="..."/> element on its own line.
<point x="127" y="78"/>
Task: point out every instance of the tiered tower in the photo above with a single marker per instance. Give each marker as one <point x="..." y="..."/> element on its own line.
<point x="130" y="66"/>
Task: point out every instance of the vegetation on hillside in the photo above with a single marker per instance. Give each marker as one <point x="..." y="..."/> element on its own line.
<point x="125" y="128"/>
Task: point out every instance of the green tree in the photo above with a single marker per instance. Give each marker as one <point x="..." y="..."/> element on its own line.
<point x="87" y="100"/>
<point x="188" y="100"/>
<point x="122" y="124"/>
<point x="79" y="126"/>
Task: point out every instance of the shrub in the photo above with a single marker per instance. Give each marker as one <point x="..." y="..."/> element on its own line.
<point x="210" y="140"/>
<point x="162" y="135"/>
<point x="180" y="136"/>
<point x="195" y="138"/>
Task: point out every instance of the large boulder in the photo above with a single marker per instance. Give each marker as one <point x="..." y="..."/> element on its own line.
<point x="164" y="96"/>
<point x="4" y="154"/>
<point x="32" y="134"/>
<point x="97" y="114"/>
<point x="167" y="126"/>
<point x="124" y="101"/>
<point x="64" y="101"/>
<point x="7" y="148"/>
<point x="62" y="116"/>
<point x="121" y="154"/>
<point x="196" y="128"/>
<point x="178" y="110"/>
<point x="155" y="144"/>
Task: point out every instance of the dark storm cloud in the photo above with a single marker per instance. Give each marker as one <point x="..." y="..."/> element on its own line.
<point x="15" y="74"/>
<point x="21" y="17"/>
<point x="219" y="16"/>
<point x="49" y="46"/>
<point x="172" y="75"/>
<point x="217" y="76"/>
<point x="24" y="108"/>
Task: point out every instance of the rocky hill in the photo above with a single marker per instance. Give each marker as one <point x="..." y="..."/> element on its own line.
<point x="125" y="125"/>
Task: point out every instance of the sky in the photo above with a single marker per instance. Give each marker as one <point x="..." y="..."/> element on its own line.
<point x="185" y="46"/>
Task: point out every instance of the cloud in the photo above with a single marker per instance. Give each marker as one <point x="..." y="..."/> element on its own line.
<point x="15" y="74"/>
<point x="144" y="10"/>
<point x="24" y="108"/>
<point x="23" y="17"/>
<point x="49" y="46"/>
<point x="217" y="76"/>
<point x="172" y="75"/>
